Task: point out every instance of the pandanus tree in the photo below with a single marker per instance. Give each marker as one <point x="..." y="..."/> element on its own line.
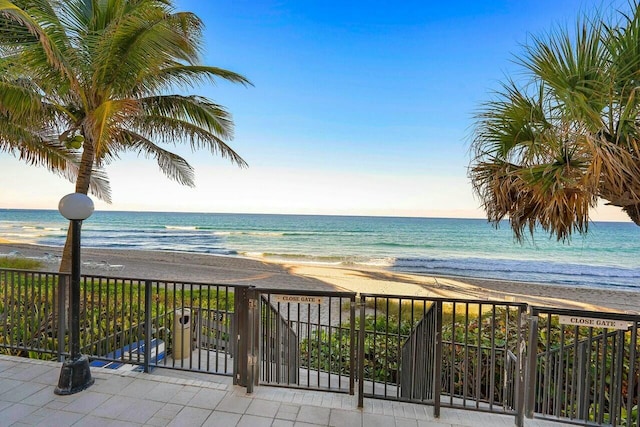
<point x="83" y="81"/>
<point x="566" y="133"/>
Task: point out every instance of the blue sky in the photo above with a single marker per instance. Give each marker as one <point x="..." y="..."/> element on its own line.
<point x="359" y="107"/>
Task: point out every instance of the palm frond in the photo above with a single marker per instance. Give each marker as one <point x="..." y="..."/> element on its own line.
<point x="574" y="68"/>
<point x="18" y="101"/>
<point x="145" y="39"/>
<point x="545" y="158"/>
<point x="172" y="165"/>
<point x="101" y="69"/>
<point x="173" y="118"/>
<point x="104" y="121"/>
<point x="51" y="54"/>
<point x="182" y="76"/>
<point x="99" y="182"/>
<point x="194" y="109"/>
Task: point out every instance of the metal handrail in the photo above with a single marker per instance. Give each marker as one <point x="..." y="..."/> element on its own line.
<point x="445" y="352"/>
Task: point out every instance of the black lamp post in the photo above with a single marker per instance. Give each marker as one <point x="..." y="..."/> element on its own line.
<point x="75" y="375"/>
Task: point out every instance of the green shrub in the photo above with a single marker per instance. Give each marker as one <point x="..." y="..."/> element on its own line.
<point x="111" y="313"/>
<point x="17" y="263"/>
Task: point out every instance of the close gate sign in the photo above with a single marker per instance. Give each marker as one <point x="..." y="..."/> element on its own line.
<point x="594" y="322"/>
<point x="300" y="299"/>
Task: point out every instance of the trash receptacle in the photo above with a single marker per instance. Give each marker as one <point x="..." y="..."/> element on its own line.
<point x="182" y="333"/>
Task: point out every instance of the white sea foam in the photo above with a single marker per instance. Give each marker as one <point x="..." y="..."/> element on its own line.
<point x="379" y="262"/>
<point x="249" y="233"/>
<point x="607" y="257"/>
<point x="21" y="238"/>
<point x="252" y="254"/>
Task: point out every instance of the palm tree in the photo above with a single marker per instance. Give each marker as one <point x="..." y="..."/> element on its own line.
<point x="550" y="145"/>
<point x="96" y="78"/>
<point x="24" y="123"/>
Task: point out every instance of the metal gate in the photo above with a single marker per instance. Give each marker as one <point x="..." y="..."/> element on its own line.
<point x="303" y="339"/>
<point x="443" y="352"/>
<point x="584" y="367"/>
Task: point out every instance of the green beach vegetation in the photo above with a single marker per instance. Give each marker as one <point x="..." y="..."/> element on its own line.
<point x="388" y="330"/>
<point x="471" y="337"/>
<point x="480" y="341"/>
<point x="564" y="134"/>
<point x="111" y="314"/>
<point x="82" y="82"/>
<point x="19" y="263"/>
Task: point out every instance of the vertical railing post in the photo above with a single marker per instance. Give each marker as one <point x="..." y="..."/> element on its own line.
<point x="616" y="390"/>
<point x="352" y="343"/>
<point x="361" y="332"/>
<point x="437" y="362"/>
<point x="633" y="363"/>
<point x="530" y="380"/>
<point x="240" y="331"/>
<point x="147" y="326"/>
<point x="62" y="312"/>
<point x="252" y="348"/>
<point x="583" y="409"/>
<point x="520" y="382"/>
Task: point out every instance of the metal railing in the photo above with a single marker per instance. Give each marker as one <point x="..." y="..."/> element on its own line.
<point x="418" y="355"/>
<point x="584" y="374"/>
<point x="29" y="312"/>
<point x="307" y="339"/>
<point x="124" y="323"/>
<point x="112" y="318"/>
<point x="470" y="354"/>
<point x="198" y="322"/>
<point x="279" y="345"/>
<point x="443" y="352"/>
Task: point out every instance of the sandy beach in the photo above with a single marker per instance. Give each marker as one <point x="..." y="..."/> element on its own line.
<point x="191" y="267"/>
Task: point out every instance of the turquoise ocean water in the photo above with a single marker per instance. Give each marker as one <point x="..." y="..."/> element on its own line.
<point x="608" y="257"/>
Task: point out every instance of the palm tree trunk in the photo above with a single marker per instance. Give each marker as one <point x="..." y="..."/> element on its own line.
<point x="82" y="186"/>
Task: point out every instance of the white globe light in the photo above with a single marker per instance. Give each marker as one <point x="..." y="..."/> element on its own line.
<point x="76" y="206"/>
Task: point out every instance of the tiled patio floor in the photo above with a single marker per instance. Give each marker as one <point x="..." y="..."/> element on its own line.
<point x="175" y="399"/>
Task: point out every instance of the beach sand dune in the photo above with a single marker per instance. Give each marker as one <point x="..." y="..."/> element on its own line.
<point x="190" y="267"/>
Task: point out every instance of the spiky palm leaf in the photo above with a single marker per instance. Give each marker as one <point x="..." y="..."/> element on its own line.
<point x="105" y="70"/>
<point x="548" y="149"/>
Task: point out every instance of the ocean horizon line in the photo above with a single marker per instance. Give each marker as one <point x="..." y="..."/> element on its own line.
<point x="466" y="247"/>
<point x="337" y="215"/>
